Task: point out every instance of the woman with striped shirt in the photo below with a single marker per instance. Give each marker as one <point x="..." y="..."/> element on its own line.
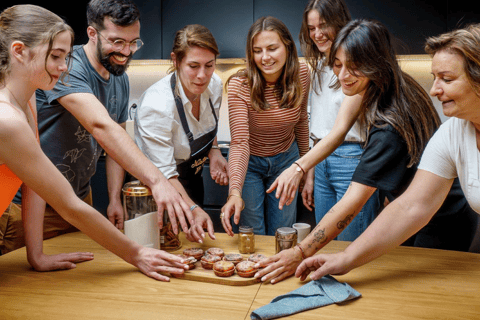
<point x="267" y="105"/>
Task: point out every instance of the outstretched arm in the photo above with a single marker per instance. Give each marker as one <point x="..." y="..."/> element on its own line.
<point x="287" y="183"/>
<point x="397" y="222"/>
<point x="33" y="167"/>
<point x="89" y="111"/>
<point x="333" y="223"/>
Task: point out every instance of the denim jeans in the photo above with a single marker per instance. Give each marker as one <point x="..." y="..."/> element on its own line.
<point x="261" y="209"/>
<point x="332" y="178"/>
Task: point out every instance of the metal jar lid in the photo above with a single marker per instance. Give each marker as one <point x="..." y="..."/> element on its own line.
<point x="245" y="229"/>
<point x="286" y="231"/>
<point x="136" y="189"/>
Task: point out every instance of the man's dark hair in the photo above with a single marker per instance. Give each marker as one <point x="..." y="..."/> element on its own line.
<point x="121" y="12"/>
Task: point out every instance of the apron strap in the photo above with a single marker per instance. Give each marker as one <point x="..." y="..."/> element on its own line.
<point x="181" y="112"/>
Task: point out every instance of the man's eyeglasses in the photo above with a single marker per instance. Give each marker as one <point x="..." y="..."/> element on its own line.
<point x="119" y="44"/>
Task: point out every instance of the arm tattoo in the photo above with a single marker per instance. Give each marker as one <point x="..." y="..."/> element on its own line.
<point x="343" y="223"/>
<point x="320" y="237"/>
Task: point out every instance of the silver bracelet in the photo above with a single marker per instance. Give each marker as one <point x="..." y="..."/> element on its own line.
<point x="193" y="207"/>
<point x="215" y="147"/>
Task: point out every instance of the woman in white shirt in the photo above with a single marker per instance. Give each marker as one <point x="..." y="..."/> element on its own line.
<point x="177" y="119"/>
<point x="452" y="152"/>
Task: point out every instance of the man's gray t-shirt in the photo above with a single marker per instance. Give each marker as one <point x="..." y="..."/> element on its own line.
<point x="70" y="147"/>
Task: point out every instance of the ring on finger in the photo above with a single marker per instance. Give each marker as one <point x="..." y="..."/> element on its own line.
<point x="222" y="215"/>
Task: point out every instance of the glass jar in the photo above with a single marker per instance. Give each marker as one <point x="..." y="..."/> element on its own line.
<point x="285" y="238"/>
<point x="169" y="241"/>
<point x="246" y="240"/>
<point x="138" y="201"/>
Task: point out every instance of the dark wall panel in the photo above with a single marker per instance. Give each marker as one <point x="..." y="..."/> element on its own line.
<point x="228" y="20"/>
<point x="410" y="21"/>
<point x="289" y="11"/>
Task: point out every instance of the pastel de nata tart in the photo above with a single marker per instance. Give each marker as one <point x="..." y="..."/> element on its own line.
<point x="208" y="260"/>
<point x="197" y="253"/>
<point x="189" y="260"/>
<point x="216" y="252"/>
<point x="246" y="269"/>
<point x="256" y="257"/>
<point x="233" y="257"/>
<point x="223" y="268"/>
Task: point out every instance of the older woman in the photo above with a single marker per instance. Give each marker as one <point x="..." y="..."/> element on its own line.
<point x="177" y="119"/>
<point x="452" y="152"/>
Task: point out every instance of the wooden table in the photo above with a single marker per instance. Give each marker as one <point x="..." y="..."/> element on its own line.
<point x="408" y="283"/>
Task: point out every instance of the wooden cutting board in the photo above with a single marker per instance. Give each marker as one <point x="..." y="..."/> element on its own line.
<point x="204" y="275"/>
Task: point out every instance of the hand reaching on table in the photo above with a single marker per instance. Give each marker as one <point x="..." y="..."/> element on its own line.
<point x="201" y="222"/>
<point x="62" y="261"/>
<point x="153" y="262"/>
<point x="280" y="266"/>
<point x="287" y="185"/>
<point x="323" y="264"/>
<point x="307" y="192"/>
<point x="233" y="207"/>
<point x="169" y="199"/>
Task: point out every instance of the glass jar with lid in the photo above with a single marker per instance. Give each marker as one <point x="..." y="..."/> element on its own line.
<point x="246" y="239"/>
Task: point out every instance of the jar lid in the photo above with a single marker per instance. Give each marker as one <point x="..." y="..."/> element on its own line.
<point x="286" y="230"/>
<point x="136" y="189"/>
<point x="245" y="229"/>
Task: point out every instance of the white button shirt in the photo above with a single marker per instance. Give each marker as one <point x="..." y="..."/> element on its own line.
<point x="158" y="129"/>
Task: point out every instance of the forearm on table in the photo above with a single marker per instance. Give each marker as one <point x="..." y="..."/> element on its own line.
<point x="337" y="218"/>
<point x="402" y="218"/>
<point x="33" y="212"/>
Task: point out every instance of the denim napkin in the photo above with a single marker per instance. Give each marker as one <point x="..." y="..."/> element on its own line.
<point x="312" y="295"/>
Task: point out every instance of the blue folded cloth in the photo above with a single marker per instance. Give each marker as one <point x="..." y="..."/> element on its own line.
<point x="312" y="295"/>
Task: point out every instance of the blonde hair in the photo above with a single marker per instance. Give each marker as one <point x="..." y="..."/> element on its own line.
<point x="32" y="25"/>
<point x="464" y="42"/>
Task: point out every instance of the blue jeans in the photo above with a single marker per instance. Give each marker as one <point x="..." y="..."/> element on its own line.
<point x="332" y="178"/>
<point x="261" y="209"/>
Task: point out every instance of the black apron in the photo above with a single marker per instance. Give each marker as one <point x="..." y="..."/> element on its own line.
<point x="190" y="171"/>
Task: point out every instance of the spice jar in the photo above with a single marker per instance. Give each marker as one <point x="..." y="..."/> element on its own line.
<point x="169" y="241"/>
<point x="285" y="238"/>
<point x="246" y="240"/>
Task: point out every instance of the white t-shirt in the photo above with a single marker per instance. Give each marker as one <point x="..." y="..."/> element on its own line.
<point x="452" y="152"/>
<point x="324" y="105"/>
<point x="158" y="129"/>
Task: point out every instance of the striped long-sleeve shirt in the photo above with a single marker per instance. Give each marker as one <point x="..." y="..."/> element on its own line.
<point x="266" y="133"/>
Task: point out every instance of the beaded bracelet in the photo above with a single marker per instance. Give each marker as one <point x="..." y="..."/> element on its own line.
<point x="236" y="195"/>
